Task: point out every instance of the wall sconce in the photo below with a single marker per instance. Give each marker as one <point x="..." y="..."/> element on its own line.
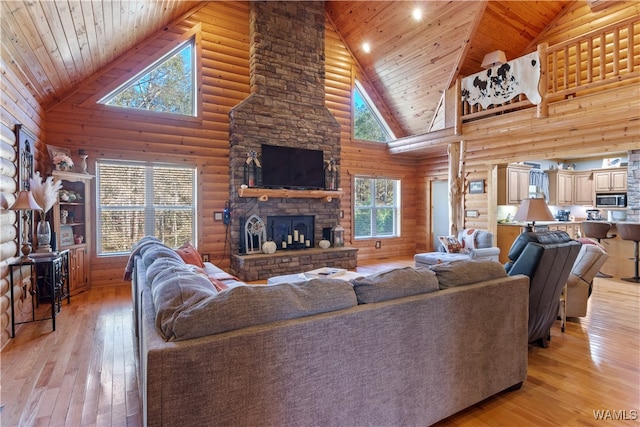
<point x="491" y="59"/>
<point x="533" y="210"/>
<point x="25" y="202"/>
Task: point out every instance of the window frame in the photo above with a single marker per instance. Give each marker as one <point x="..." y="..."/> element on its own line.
<point x="397" y="208"/>
<point x="359" y="87"/>
<point x="194" y="40"/>
<point x="148" y="208"/>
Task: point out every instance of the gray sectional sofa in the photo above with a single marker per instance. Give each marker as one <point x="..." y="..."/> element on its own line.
<point x="404" y="347"/>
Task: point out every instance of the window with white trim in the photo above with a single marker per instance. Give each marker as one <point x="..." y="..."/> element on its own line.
<point x="136" y="199"/>
<point x="168" y="85"/>
<point x="376" y="207"/>
<point x="368" y="123"/>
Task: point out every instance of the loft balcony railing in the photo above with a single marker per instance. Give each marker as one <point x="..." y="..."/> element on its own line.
<point x="599" y="60"/>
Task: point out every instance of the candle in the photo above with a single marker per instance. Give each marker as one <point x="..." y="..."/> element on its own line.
<point x="308" y="243"/>
<point x="301" y="238"/>
<point x="295" y="235"/>
<point x="284" y="245"/>
<point x="289" y="239"/>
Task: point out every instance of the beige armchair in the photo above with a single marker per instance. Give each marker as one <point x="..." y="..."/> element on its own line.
<point x="590" y="260"/>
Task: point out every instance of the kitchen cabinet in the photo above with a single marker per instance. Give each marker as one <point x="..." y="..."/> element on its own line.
<point x="561" y="185"/>
<point x="610" y="180"/>
<point x="570" y="188"/>
<point x="506" y="235"/>
<point x="73" y="227"/>
<point x="583" y="188"/>
<point x="513" y="184"/>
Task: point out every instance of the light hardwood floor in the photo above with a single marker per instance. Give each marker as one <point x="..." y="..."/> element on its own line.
<point x="85" y="373"/>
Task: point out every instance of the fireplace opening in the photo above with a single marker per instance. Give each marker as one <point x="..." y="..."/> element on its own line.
<point x="291" y="231"/>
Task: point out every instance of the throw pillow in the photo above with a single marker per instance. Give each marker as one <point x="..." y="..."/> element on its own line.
<point x="190" y="254"/>
<point x="218" y="284"/>
<point x="468" y="239"/>
<point x="398" y="283"/>
<point x="450" y="244"/>
<point x="465" y="272"/>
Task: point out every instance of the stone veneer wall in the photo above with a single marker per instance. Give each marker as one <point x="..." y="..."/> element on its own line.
<point x="633" y="186"/>
<point x="286" y="107"/>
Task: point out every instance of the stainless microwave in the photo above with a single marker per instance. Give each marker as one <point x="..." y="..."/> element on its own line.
<point x="611" y="200"/>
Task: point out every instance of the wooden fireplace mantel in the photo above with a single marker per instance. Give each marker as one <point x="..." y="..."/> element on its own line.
<point x="263" y="194"/>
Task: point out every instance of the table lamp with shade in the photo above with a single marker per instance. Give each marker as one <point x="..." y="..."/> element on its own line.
<point x="533" y="210"/>
<point x="25" y="202"/>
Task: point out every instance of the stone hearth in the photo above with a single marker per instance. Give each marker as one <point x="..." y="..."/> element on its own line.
<point x="262" y="266"/>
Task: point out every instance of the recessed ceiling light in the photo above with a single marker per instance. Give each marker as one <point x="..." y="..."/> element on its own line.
<point x="366" y="47"/>
<point x="417" y="14"/>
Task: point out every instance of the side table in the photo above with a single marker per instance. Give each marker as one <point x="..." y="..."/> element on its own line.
<point x="50" y="275"/>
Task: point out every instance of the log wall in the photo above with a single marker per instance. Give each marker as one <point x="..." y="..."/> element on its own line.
<point x="18" y="106"/>
<point x="103" y="132"/>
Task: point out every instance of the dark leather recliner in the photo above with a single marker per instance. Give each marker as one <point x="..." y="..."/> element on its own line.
<point x="547" y="258"/>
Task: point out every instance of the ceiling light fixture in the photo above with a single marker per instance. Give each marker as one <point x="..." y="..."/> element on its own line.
<point x="417" y="14"/>
<point x="366" y="47"/>
<point x="491" y="59"/>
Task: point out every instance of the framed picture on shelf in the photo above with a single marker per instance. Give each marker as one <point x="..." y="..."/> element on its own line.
<point x="66" y="235"/>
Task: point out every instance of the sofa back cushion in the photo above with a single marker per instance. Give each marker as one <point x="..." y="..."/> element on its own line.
<point x="189" y="308"/>
<point x="158" y="250"/>
<point x="542" y="237"/>
<point x="467" y="271"/>
<point x="397" y="283"/>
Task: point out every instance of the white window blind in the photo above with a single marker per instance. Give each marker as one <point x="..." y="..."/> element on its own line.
<point x="141" y="199"/>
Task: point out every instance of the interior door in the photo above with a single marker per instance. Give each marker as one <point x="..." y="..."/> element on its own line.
<point x="439" y="211"/>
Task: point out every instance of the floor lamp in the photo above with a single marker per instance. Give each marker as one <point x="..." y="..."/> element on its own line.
<point x="25" y="202"/>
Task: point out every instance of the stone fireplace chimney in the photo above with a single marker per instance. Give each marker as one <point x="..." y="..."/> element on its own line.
<point x="286" y="106"/>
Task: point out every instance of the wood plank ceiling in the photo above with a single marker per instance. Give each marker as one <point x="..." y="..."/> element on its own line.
<point x="55" y="45"/>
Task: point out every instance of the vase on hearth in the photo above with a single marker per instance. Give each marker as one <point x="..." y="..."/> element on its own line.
<point x="43" y="233"/>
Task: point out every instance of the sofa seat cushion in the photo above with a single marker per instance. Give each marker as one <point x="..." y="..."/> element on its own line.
<point x="397" y="283"/>
<point x="465" y="272"/>
<point x="189" y="308"/>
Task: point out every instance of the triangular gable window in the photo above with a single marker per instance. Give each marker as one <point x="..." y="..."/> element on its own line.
<point x="368" y="124"/>
<point x="167" y="85"/>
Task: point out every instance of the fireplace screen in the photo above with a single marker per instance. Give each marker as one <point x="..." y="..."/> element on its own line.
<point x="296" y="232"/>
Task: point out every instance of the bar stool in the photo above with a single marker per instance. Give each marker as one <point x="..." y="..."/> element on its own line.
<point x="598" y="230"/>
<point x="631" y="231"/>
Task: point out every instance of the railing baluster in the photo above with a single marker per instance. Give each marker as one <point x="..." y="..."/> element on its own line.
<point x="603" y="56"/>
<point x="565" y="62"/>
<point x="589" y="60"/>
<point x="578" y="65"/>
<point x="616" y="51"/>
<point x="630" y="50"/>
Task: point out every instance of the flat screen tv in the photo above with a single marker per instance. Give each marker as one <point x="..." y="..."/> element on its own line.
<point x="294" y="168"/>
